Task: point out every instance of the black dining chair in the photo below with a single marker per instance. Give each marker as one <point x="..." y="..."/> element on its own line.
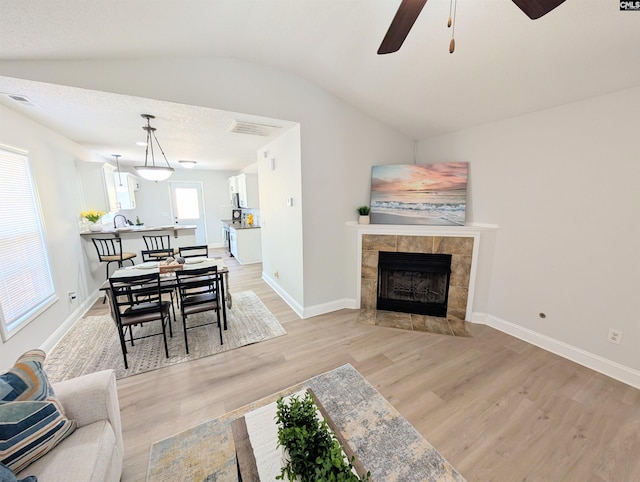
<point x="158" y="244"/>
<point x="153" y="255"/>
<point x="110" y="251"/>
<point x="199" y="292"/>
<point x="156" y="254"/>
<point x="137" y="300"/>
<point x="201" y="251"/>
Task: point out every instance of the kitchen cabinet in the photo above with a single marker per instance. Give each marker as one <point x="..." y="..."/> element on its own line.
<point x="233" y="189"/>
<point x="125" y="192"/>
<point x="246" y="244"/>
<point x="110" y="187"/>
<point x="246" y="187"/>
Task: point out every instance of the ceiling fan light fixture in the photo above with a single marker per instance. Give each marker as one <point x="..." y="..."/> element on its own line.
<point x="151" y="172"/>
<point x="188" y="164"/>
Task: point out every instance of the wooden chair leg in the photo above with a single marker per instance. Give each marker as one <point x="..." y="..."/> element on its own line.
<point x="219" y="325"/>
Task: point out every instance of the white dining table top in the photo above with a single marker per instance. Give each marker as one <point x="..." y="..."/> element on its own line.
<point x="152" y="267"/>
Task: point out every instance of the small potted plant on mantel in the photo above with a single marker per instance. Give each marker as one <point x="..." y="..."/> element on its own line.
<point x="364" y="215"/>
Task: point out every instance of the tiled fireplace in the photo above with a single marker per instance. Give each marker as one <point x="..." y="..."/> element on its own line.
<point x="461" y="250"/>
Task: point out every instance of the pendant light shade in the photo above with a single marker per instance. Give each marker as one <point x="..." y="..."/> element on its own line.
<point x="150" y="171"/>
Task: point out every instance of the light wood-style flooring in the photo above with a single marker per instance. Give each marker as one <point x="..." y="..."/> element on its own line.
<point x="496" y="407"/>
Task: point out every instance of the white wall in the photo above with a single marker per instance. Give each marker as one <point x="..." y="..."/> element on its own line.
<point x="339" y="143"/>
<point x="563" y="186"/>
<point x="282" y="225"/>
<point x="52" y="160"/>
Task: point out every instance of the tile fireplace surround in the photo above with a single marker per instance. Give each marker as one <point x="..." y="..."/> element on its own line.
<point x="461" y="242"/>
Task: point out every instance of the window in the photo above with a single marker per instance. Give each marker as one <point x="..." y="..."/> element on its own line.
<point x="187" y="204"/>
<point x="26" y="285"/>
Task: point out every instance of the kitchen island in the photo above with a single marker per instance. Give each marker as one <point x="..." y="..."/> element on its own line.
<point x="181" y="235"/>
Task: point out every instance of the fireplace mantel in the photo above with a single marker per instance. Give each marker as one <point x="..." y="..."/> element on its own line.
<point x="468" y="230"/>
<point x="473" y="231"/>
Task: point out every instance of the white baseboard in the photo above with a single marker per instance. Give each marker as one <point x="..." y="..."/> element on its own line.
<point x="612" y="369"/>
<point x="50" y="343"/>
<point x="295" y="306"/>
<point x="323" y="308"/>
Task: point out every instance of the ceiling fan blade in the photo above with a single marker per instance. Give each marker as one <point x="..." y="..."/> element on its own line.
<point x="400" y="26"/>
<point x="537" y="8"/>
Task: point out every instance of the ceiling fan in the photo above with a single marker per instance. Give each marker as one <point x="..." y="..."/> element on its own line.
<point x="409" y="10"/>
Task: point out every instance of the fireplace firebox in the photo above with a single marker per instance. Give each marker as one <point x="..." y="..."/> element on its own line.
<point x="414" y="282"/>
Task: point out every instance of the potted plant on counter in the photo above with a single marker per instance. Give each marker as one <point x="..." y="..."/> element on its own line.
<point x="364" y="214"/>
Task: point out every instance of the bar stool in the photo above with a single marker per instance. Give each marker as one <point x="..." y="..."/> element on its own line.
<point x="110" y="251"/>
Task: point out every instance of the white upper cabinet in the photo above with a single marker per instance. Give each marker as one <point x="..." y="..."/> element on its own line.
<point x="246" y="186"/>
<point x="110" y="187"/>
<point x="233" y="188"/>
<point x="126" y="185"/>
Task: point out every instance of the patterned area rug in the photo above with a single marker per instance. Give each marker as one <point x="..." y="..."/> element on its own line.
<point x="383" y="440"/>
<point x="92" y="344"/>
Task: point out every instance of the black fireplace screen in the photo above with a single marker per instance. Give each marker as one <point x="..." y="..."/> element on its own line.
<point x="414" y="282"/>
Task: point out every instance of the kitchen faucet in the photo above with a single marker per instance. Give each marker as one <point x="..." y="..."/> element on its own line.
<point x="115" y="220"/>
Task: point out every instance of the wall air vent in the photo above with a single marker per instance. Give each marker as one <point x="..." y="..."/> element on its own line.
<point x="21" y="99"/>
<point x="251" y="128"/>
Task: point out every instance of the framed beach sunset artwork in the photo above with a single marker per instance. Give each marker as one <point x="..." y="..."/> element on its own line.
<point x="433" y="194"/>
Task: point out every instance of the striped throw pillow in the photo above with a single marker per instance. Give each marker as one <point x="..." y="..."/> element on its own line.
<point x="32" y="420"/>
<point x="26" y="380"/>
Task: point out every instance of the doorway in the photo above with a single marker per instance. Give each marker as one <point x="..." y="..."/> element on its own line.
<point x="187" y="206"/>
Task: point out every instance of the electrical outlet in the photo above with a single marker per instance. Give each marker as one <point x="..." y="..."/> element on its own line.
<point x="615" y="336"/>
<point x="276" y="274"/>
<point x="72" y="295"/>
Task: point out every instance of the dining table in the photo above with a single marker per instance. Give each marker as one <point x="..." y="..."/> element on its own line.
<point x="168" y="279"/>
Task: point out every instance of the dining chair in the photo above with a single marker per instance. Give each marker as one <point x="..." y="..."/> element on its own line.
<point x="137" y="300"/>
<point x="199" y="292"/>
<point x="110" y="251"/>
<point x="153" y="255"/>
<point x="156" y="254"/>
<point x="194" y="251"/>
<point x="158" y="243"/>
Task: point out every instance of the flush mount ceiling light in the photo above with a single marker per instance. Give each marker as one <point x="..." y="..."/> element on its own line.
<point x="187" y="164"/>
<point x="151" y="172"/>
<point x="120" y="187"/>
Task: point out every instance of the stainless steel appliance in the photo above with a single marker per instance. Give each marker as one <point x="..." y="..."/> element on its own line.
<point x="227" y="238"/>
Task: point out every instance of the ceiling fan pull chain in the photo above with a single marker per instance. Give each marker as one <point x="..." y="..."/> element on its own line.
<point x="452" y="25"/>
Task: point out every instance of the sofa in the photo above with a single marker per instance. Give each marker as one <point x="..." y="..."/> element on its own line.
<point x="94" y="451"/>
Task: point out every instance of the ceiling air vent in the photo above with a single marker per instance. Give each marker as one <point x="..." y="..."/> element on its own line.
<point x="241" y="127"/>
<point x="21" y="99"/>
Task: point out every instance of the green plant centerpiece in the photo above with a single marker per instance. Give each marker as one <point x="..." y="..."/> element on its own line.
<point x="314" y="452"/>
<point x="364" y="210"/>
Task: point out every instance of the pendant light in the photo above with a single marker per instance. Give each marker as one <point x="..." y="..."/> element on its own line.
<point x="151" y="172"/>
<point x="120" y="187"/>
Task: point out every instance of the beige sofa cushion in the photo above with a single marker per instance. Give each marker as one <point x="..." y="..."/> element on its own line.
<point x="87" y="456"/>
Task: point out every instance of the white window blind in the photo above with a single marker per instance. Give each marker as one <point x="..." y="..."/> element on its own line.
<point x="26" y="285"/>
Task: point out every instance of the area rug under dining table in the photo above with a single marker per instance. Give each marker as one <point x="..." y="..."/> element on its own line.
<point x="92" y="344"/>
<point x="386" y="444"/>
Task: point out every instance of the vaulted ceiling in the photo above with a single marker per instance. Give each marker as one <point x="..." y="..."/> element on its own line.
<point x="505" y="64"/>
